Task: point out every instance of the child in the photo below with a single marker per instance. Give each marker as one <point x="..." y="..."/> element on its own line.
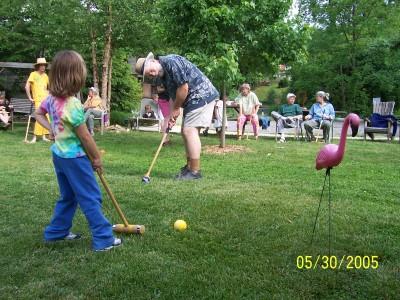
<point x="73" y="145"/>
<point x="149" y="113"/>
<point x="218" y="108"/>
<point x="162" y="98"/>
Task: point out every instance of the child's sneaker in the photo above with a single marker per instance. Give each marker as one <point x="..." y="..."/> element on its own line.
<point x="72" y="236"/>
<point x="69" y="237"/>
<point x="117" y="242"/>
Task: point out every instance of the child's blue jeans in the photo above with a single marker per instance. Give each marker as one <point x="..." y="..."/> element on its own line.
<point x="78" y="185"/>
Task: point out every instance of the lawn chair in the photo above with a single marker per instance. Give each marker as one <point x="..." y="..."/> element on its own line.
<point x="296" y="127"/>
<point x="149" y="122"/>
<point x="320" y="132"/>
<point x="383" y="113"/>
<point x="103" y="118"/>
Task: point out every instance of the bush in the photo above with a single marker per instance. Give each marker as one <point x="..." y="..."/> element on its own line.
<point x="284" y="82"/>
<point x="126" y="90"/>
<point x="120" y="117"/>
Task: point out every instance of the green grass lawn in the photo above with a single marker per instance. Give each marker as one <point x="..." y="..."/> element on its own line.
<point x="248" y="220"/>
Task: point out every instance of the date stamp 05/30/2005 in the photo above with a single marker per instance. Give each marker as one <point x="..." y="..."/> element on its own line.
<point x="332" y="262"/>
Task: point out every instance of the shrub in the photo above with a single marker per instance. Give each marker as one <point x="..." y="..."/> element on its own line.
<point x="120" y="117"/>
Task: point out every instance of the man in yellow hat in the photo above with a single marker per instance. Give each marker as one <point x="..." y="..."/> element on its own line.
<point x="38" y="82"/>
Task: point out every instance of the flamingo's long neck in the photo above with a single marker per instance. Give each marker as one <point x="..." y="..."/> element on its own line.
<point x="343" y="136"/>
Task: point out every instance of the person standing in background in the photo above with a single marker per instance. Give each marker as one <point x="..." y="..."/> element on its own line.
<point x="38" y="82"/>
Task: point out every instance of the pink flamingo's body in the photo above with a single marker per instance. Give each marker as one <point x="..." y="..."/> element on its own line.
<point x="331" y="155"/>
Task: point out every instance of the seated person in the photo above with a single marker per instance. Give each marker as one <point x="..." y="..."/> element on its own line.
<point x="321" y="115"/>
<point x="248" y="108"/>
<point x="93" y="108"/>
<point x="288" y="116"/>
<point x="4" y="117"/>
<point x="263" y="120"/>
<point x="149" y="113"/>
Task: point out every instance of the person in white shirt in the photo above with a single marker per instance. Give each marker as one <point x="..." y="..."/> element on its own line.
<point x="249" y="105"/>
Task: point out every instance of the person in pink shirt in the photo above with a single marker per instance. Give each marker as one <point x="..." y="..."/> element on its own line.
<point x="161" y="97"/>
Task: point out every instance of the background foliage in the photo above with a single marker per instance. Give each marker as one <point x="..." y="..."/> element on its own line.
<point x="350" y="48"/>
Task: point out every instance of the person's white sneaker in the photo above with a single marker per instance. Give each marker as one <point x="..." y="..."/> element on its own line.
<point x="32" y="141"/>
<point x="117" y="242"/>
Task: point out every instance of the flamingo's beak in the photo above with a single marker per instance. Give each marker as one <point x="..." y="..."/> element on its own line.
<point x="354" y="130"/>
<point x="354" y="122"/>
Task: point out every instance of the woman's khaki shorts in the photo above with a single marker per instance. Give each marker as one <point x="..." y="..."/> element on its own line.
<point x="200" y="117"/>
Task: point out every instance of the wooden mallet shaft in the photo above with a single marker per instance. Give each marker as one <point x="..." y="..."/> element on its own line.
<point x="29" y="123"/>
<point x="126" y="227"/>
<point x="157" y="153"/>
<point x="111" y="195"/>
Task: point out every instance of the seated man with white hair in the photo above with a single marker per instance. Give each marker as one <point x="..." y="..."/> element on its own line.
<point x="93" y="108"/>
<point x="288" y="116"/>
<point x="249" y="105"/>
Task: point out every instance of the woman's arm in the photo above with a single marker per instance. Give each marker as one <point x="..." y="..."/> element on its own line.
<point x="28" y="90"/>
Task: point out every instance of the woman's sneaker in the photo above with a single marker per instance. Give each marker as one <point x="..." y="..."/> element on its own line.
<point x="117" y="242"/>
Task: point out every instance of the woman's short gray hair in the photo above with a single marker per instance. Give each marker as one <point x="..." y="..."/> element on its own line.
<point x="244" y="86"/>
<point x="94" y="90"/>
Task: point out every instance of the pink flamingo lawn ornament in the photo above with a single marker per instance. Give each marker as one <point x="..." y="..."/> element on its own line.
<point x="331" y="156"/>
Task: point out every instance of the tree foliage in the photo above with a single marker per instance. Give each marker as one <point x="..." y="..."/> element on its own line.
<point x="33" y="28"/>
<point x="353" y="53"/>
<point x="232" y="40"/>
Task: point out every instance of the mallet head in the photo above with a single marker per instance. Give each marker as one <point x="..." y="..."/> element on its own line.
<point x="121" y="228"/>
<point x="146" y="179"/>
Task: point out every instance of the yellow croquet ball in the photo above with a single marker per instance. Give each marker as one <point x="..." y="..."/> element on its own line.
<point x="180" y="225"/>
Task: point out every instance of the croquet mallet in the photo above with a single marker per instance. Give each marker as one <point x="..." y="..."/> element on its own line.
<point x="121" y="228"/>
<point x="29" y="123"/>
<point x="146" y="177"/>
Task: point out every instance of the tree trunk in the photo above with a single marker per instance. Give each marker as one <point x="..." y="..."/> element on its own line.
<point x="109" y="85"/>
<point x="106" y="58"/>
<point x="222" y="144"/>
<point x="94" y="60"/>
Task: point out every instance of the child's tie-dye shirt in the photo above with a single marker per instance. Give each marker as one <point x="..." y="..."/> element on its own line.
<point x="65" y="115"/>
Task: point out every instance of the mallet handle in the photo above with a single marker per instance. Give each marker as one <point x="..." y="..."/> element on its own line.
<point x="27" y="129"/>
<point x="111" y="195"/>
<point x="29" y="123"/>
<point x="158" y="152"/>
